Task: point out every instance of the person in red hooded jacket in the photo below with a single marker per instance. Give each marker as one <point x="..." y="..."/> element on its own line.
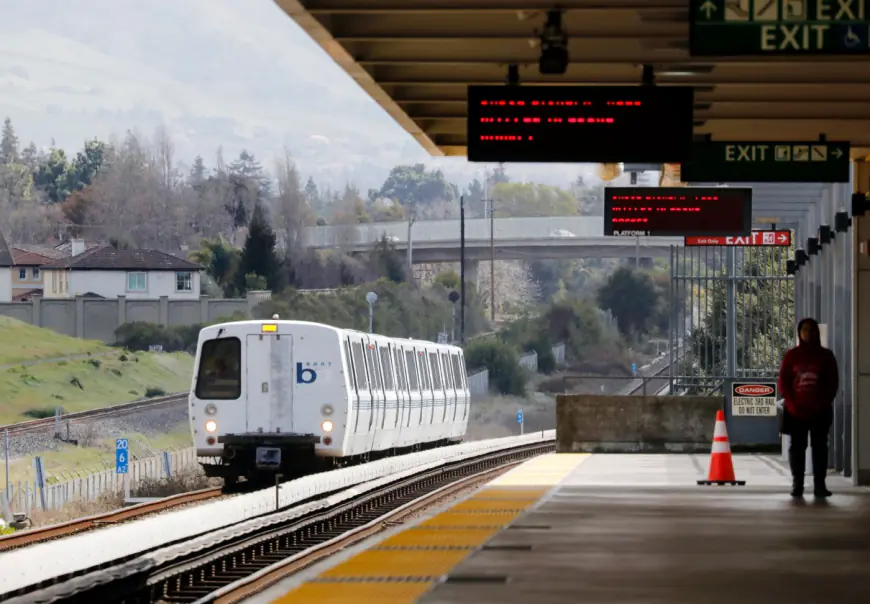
<point x="808" y="381"/>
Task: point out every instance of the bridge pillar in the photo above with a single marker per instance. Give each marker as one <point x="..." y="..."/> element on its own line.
<point x="472" y="272"/>
<point x="860" y="369"/>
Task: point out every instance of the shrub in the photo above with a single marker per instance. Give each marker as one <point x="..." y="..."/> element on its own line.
<point x="501" y="360"/>
<point x="40" y="413"/>
<point x="152" y="392"/>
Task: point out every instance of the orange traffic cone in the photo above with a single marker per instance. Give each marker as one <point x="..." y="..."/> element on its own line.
<point x="721" y="466"/>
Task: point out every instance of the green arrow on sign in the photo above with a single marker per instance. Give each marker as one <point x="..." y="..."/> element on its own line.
<point x="709" y="7"/>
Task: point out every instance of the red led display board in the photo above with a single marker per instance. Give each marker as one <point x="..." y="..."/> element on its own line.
<point x="634" y="124"/>
<point x="677" y="211"/>
<point x="755" y="239"/>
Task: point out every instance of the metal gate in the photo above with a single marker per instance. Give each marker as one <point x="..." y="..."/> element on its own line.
<point x="731" y="318"/>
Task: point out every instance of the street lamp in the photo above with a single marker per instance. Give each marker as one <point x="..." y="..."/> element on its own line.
<point x="453" y="296"/>
<point x="371" y="298"/>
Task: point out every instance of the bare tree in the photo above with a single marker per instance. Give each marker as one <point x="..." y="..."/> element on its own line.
<point x="514" y="286"/>
<point x="290" y="211"/>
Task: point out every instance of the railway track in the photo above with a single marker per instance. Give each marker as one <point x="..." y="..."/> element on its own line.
<point x="64" y="529"/>
<point x="654" y="383"/>
<point x="38" y="425"/>
<point x="232" y="564"/>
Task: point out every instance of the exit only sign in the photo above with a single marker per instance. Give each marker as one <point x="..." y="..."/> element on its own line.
<point x="734" y="161"/>
<point x="756" y="239"/>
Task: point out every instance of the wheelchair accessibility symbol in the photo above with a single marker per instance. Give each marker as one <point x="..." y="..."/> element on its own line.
<point x="851" y="39"/>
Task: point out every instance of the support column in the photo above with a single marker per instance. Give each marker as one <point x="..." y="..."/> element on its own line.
<point x="472" y="271"/>
<point x="861" y="335"/>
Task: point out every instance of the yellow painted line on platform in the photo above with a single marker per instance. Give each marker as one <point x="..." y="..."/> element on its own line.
<point x="492" y="505"/>
<point x="442" y="537"/>
<point x="471" y="519"/>
<point x="542" y="471"/>
<point x="402" y="568"/>
<point x="355" y="593"/>
<point x="375" y="563"/>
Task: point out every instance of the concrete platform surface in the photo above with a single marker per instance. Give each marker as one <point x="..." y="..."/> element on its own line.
<point x="637" y="529"/>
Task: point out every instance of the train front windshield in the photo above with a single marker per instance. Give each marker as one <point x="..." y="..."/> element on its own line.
<point x="220" y="370"/>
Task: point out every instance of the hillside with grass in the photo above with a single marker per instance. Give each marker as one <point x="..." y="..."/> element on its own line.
<point x="41" y="370"/>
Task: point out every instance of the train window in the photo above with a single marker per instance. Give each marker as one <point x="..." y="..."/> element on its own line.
<point x="220" y="370"/>
<point x="400" y="370"/>
<point x="385" y="367"/>
<point x="424" y="375"/>
<point x="449" y="382"/>
<point x="457" y="371"/>
<point x="412" y="369"/>
<point x="350" y="372"/>
<point x="374" y="371"/>
<point x="436" y="370"/>
<point x="358" y="366"/>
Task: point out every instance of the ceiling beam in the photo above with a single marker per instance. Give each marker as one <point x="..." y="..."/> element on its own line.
<point x="477" y="7"/>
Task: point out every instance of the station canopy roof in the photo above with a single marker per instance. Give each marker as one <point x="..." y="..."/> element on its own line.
<point x="416" y="57"/>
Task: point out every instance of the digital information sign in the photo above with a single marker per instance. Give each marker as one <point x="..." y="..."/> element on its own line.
<point x="677" y="211"/>
<point x="583" y="124"/>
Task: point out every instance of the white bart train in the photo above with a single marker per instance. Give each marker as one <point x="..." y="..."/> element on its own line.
<point x="294" y="397"/>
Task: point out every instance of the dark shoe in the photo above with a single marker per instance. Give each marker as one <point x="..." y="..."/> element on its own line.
<point x="821" y="492"/>
<point x="797" y="489"/>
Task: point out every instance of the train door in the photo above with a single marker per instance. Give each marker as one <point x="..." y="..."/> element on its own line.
<point x="437" y="386"/>
<point x="364" y="410"/>
<point x="353" y="398"/>
<point x="449" y="389"/>
<point x="377" y="387"/>
<point x="269" y="382"/>
<point x="401" y="390"/>
<point x="416" y="399"/>
<point x="426" y="400"/>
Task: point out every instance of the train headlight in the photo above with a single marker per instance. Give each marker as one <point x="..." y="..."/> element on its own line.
<point x="326" y="410"/>
<point x="326" y="425"/>
<point x="211" y="409"/>
<point x="211" y="426"/>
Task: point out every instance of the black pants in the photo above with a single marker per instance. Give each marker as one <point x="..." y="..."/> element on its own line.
<point x="816" y="434"/>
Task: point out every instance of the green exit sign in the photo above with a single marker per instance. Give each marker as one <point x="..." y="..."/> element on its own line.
<point x="779" y="27"/>
<point x="741" y="162"/>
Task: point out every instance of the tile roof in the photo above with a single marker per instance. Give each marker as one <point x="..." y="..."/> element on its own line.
<point x="41" y="250"/>
<point x="108" y="258"/>
<point x="23" y="258"/>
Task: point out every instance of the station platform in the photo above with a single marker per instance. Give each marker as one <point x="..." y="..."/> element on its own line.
<point x="612" y="528"/>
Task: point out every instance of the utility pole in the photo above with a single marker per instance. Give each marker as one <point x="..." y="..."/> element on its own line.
<point x="489" y="203"/>
<point x="412" y="218"/>
<point x="462" y="269"/>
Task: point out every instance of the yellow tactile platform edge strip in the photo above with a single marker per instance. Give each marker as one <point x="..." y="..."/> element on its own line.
<point x="403" y="567"/>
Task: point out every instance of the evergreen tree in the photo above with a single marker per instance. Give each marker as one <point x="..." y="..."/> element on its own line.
<point x="8" y="144"/>
<point x="312" y="195"/>
<point x="197" y="172"/>
<point x="258" y="255"/>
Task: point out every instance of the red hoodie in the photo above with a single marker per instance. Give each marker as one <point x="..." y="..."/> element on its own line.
<point x="809" y="379"/>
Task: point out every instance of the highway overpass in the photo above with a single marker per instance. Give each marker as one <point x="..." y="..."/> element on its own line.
<point x="515" y="239"/>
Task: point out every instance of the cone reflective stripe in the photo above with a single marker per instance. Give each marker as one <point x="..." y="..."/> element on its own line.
<point x="721" y="466"/>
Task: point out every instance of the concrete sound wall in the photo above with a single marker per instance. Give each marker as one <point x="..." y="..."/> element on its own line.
<point x="98" y="318"/>
<point x="635" y="424"/>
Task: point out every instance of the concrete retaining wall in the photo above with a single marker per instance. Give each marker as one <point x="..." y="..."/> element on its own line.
<point x="635" y="424"/>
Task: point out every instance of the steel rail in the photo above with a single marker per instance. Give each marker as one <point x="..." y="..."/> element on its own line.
<point x="189" y="573"/>
<point x="37" y="425"/>
<point x="24" y="538"/>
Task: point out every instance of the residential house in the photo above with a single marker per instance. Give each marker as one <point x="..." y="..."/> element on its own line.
<point x="109" y="272"/>
<point x="5" y="271"/>
<point x="26" y="263"/>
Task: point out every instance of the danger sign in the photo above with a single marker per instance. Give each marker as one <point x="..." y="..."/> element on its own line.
<point x="753" y="399"/>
